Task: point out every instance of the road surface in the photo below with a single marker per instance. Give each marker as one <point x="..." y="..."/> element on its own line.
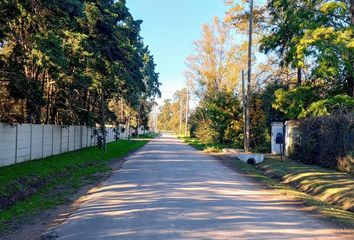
<point x="168" y="190"/>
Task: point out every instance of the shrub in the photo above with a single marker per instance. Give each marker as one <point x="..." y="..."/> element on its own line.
<point x="293" y="102"/>
<point x="211" y="149"/>
<point x="346" y="163"/>
<point x="325" y="141"/>
<point x="205" y="132"/>
<point x="338" y="103"/>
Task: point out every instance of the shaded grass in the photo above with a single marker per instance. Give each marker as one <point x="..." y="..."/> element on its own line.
<point x="342" y="218"/>
<point x="37" y="185"/>
<point x="326" y="184"/>
<point x="339" y="216"/>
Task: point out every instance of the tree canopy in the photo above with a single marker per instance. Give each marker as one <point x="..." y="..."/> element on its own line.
<point x="65" y="62"/>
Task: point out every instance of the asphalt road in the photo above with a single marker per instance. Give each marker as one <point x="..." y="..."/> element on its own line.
<point x="168" y="190"/>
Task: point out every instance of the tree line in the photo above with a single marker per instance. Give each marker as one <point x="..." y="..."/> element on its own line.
<point x="307" y="70"/>
<point x="74" y="62"/>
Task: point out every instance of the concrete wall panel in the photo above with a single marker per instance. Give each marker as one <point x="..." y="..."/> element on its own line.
<point x="56" y="139"/>
<point x="71" y="138"/>
<point x="47" y="146"/>
<point x="23" y="142"/>
<point x="64" y="140"/>
<point x="35" y="141"/>
<point x="7" y="144"/>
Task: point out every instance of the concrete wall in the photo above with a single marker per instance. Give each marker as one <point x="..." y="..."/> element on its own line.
<point x="23" y="142"/>
<point x="290" y="135"/>
<point x="289" y="129"/>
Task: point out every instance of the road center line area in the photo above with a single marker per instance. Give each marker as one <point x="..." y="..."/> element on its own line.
<point x="169" y="190"/>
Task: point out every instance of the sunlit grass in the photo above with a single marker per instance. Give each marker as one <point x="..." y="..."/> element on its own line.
<point x="60" y="175"/>
<point x="326" y="184"/>
<point x="195" y="142"/>
<point x="339" y="216"/>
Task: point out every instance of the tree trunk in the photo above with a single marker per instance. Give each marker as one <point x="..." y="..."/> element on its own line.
<point x="53" y="114"/>
<point x="88" y="109"/>
<point x="138" y="120"/>
<point x="29" y="109"/>
<point x="129" y="126"/>
<point x="350" y="82"/>
<point x="103" y="122"/>
<point x="299" y="76"/>
<point x="38" y="114"/>
<point x="84" y="119"/>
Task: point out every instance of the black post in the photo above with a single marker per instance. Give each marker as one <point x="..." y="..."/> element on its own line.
<point x="281" y="153"/>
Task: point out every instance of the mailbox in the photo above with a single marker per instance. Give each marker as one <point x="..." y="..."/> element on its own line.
<point x="279" y="138"/>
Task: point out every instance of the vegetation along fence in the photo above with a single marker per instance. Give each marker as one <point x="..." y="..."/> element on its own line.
<point x="326" y="141"/>
<point x="23" y="142"/>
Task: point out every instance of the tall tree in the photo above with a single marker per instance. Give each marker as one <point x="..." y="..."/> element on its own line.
<point x="215" y="65"/>
<point x="66" y="62"/>
<point x="318" y="31"/>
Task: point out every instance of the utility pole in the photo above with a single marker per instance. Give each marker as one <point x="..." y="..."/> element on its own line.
<point x="244" y="105"/>
<point x="155" y="116"/>
<point x="180" y="114"/>
<point x="187" y="109"/>
<point x="249" y="74"/>
<point x="138" y="120"/>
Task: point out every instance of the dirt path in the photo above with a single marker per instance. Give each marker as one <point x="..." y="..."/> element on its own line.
<point x="168" y="190"/>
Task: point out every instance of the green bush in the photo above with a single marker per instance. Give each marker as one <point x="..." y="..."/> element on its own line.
<point x="325" y="141"/>
<point x="218" y="120"/>
<point x="346" y="163"/>
<point x="338" y="103"/>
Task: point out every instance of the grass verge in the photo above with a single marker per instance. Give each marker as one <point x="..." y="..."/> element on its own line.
<point x="342" y="218"/>
<point x="148" y="135"/>
<point x="28" y="188"/>
<point x="328" y="185"/>
<point x="202" y="146"/>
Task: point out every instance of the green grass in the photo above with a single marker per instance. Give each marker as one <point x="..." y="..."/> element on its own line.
<point x="326" y="184"/>
<point x="270" y="174"/>
<point x="148" y="135"/>
<point x="339" y="216"/>
<point x="195" y="142"/>
<point x="48" y="182"/>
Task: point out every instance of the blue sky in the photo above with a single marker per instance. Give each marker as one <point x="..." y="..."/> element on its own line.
<point x="169" y="29"/>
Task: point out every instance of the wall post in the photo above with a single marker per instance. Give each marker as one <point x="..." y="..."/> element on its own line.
<point x="42" y="140"/>
<point x="16" y="143"/>
<point x="31" y="141"/>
